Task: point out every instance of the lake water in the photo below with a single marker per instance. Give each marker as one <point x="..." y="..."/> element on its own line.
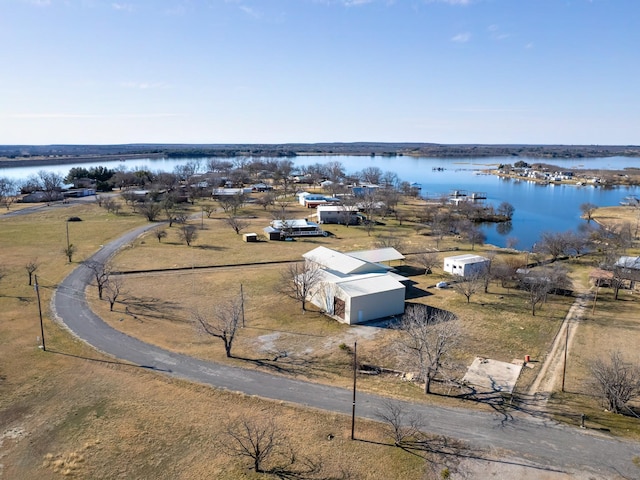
<point x="538" y="208"/>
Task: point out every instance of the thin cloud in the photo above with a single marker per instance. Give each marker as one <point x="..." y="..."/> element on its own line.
<point x="488" y="110"/>
<point x="346" y="3"/>
<point x="461" y="37"/>
<point x="463" y="3"/>
<point x="143" y="85"/>
<point x="38" y="3"/>
<point x="122" y="7"/>
<point x="35" y="116"/>
<point x="355" y="3"/>
<point x="252" y="12"/>
<point x="495" y="33"/>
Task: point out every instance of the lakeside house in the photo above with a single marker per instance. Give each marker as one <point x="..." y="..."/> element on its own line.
<point x="340" y="214"/>
<point x="357" y="287"/>
<point x="465" y="265"/>
<point x="283" y="229"/>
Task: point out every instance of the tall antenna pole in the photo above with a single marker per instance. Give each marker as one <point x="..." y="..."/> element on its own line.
<point x="40" y="312"/>
<point x="353" y="406"/>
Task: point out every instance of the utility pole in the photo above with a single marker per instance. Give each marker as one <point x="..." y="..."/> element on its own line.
<point x="44" y="348"/>
<point x="566" y="347"/>
<point x="242" y="304"/>
<point x="353" y="406"/>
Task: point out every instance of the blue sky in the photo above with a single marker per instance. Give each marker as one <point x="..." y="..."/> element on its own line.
<point x="275" y="71"/>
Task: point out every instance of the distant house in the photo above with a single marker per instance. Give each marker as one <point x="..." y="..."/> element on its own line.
<point x="37" y="197"/>
<point x="365" y="189"/>
<point x="230" y="192"/>
<point x="354" y="287"/>
<point x="312" y="200"/>
<point x="79" y="192"/>
<point x="628" y="268"/>
<point x="340" y="214"/>
<point x="261" y="187"/>
<point x="465" y="265"/>
<point x="283" y="229"/>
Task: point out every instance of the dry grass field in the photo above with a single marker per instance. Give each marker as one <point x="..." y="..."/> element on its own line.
<point x="71" y="412"/>
<point x="608" y="326"/>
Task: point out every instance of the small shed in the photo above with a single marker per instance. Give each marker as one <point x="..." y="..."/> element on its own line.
<point x="250" y="237"/>
<point x="465" y="265"/>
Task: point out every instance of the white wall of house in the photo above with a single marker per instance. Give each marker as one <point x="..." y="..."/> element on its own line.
<point x="465" y="265"/>
<point x="371" y="307"/>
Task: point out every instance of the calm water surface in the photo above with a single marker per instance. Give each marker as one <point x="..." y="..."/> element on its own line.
<point x="538" y="208"/>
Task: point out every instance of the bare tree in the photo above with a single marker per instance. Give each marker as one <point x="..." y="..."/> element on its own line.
<point x="475" y="236"/>
<point x="101" y="272"/>
<point x="370" y="205"/>
<point x="468" y="285"/>
<point x="555" y="244"/>
<point x="208" y="209"/>
<point x="506" y="210"/>
<point x="150" y="210"/>
<point x="51" y="184"/>
<point x="188" y="234"/>
<point x="587" y="210"/>
<point x="230" y="204"/>
<point x="428" y="261"/>
<point x="617" y="381"/>
<point x="260" y="441"/>
<point x="160" y="233"/>
<point x="267" y="200"/>
<point x="112" y="290"/>
<point x="385" y="241"/>
<point x="8" y="191"/>
<point x="300" y="280"/>
<point x="402" y="426"/>
<point x="69" y="251"/>
<point x="31" y="266"/>
<point x="429" y="336"/>
<point x="236" y="223"/>
<point x="224" y="324"/>
<point x="537" y="284"/>
<point x="511" y="242"/>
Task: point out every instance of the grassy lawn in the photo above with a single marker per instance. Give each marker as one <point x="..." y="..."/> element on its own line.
<point x="158" y="307"/>
<point x="74" y="412"/>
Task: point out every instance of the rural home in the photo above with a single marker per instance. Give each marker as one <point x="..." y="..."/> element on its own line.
<point x="340" y="214"/>
<point x="282" y="229"/>
<point x="628" y="268"/>
<point x="365" y="189"/>
<point x="465" y="265"/>
<point x="355" y="287"/>
<point x="312" y="200"/>
<point x="230" y="192"/>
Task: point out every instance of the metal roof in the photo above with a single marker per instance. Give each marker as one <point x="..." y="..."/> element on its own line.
<point x="333" y="260"/>
<point x="377" y="255"/>
<point x="467" y="258"/>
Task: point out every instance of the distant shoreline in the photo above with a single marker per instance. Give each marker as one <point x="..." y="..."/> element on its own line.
<point x="44" y="162"/>
<point x="39" y="155"/>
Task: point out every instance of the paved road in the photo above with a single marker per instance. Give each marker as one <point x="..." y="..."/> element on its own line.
<point x="531" y="439"/>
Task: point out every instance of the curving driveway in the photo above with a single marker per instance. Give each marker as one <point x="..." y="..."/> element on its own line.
<point x="548" y="445"/>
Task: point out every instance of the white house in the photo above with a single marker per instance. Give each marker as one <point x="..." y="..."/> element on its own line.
<point x="282" y="229"/>
<point x="352" y="289"/>
<point x="465" y="265"/>
<point x="338" y="214"/>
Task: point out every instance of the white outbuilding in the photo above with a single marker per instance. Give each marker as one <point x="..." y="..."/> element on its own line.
<point x="354" y="290"/>
<point x="465" y="265"/>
